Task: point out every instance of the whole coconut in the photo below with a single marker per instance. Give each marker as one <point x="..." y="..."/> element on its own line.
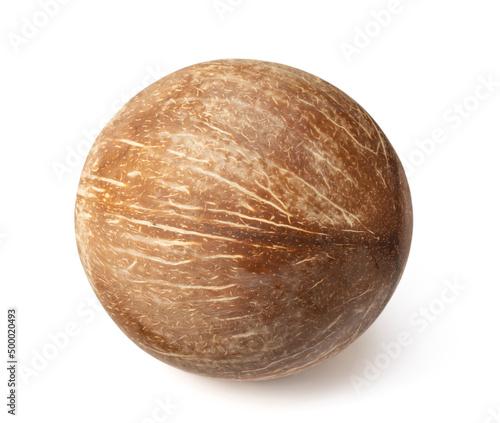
<point x="243" y="219"/>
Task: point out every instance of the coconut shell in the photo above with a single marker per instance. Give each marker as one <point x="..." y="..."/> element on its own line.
<point x="243" y="220"/>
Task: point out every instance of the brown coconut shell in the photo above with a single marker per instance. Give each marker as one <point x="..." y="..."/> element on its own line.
<point x="243" y="220"/>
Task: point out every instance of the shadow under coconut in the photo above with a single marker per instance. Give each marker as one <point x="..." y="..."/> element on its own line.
<point x="332" y="376"/>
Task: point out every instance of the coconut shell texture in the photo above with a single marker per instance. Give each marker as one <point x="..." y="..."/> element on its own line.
<point x="243" y="220"/>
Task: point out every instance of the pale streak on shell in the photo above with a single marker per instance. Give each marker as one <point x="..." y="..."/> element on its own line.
<point x="243" y="220"/>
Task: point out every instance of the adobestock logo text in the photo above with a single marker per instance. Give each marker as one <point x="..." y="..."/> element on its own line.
<point x="31" y="26"/>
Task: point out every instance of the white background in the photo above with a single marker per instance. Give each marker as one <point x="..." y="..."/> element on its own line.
<point x="425" y="68"/>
